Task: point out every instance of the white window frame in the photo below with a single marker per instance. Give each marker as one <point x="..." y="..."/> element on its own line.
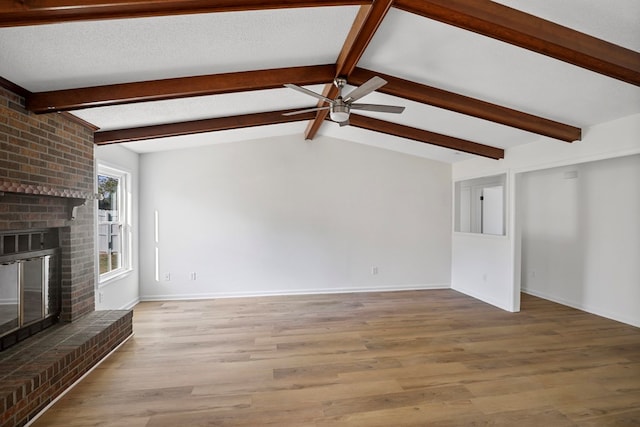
<point x="124" y="213"/>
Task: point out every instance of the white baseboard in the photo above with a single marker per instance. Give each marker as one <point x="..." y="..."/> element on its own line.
<point x="131" y="304"/>
<point x="589" y="309"/>
<point x="240" y="294"/>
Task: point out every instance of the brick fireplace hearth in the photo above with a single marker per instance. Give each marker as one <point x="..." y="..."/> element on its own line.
<point x="47" y="177"/>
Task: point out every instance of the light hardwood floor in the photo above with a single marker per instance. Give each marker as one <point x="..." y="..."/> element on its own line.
<point x="423" y="358"/>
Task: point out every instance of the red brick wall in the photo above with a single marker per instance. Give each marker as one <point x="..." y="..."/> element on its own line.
<point x="45" y="149"/>
<point x="52" y="152"/>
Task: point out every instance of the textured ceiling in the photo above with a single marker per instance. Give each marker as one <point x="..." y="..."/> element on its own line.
<point x="463" y="62"/>
<point x="78" y="54"/>
<point x="81" y="54"/>
<point x="616" y="22"/>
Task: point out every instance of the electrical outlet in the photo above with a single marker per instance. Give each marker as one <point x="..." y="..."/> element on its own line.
<point x="374" y="270"/>
<point x="167" y="277"/>
<point x="192" y="275"/>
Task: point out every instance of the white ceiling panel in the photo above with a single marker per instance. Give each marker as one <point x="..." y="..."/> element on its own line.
<point x="443" y="56"/>
<point x="606" y="20"/>
<point x="394" y="143"/>
<point x="196" y="108"/>
<point x="221" y="137"/>
<point x="81" y="54"/>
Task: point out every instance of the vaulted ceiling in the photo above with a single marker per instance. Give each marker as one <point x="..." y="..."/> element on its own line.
<point x="476" y="77"/>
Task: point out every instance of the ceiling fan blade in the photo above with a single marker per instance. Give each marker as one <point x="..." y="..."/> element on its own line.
<point x="308" y="92"/>
<point x="376" y="107"/>
<point x="291" y="113"/>
<point x="367" y="87"/>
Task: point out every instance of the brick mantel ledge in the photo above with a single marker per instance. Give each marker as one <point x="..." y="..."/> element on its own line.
<point x="40" y="190"/>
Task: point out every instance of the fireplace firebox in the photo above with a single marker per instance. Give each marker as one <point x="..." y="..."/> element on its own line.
<point x="29" y="283"/>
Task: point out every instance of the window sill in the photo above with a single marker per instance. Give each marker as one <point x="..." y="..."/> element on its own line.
<point x="110" y="279"/>
<point x="482" y="235"/>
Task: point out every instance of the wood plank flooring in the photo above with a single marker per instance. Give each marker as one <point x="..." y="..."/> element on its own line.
<point x="418" y="358"/>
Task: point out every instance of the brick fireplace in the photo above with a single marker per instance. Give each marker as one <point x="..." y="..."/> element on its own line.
<point x="47" y="183"/>
<point x="46" y="167"/>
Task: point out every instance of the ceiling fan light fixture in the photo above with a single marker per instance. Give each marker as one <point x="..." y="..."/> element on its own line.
<point x="339" y="113"/>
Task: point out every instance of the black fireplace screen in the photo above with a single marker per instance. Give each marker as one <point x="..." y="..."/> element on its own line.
<point x="29" y="283"/>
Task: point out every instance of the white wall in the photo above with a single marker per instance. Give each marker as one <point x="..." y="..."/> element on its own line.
<point x="122" y="292"/>
<point x="481" y="268"/>
<point x="482" y="263"/>
<point x="581" y="236"/>
<point x="469" y="265"/>
<point x="282" y="215"/>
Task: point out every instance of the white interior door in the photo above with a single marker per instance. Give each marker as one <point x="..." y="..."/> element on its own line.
<point x="492" y="210"/>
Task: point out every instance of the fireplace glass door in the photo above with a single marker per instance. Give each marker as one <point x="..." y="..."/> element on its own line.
<point x="9" y="297"/>
<point x="35" y="286"/>
<point x="24" y="292"/>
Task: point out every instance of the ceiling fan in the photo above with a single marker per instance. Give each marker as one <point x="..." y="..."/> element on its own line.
<point x="340" y="107"/>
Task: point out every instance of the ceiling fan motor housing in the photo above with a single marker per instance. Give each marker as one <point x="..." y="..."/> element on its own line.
<point x="339" y="111"/>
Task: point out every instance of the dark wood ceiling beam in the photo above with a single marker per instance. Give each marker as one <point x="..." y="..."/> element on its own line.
<point x="355" y="46"/>
<point x="362" y="31"/>
<point x="9" y="85"/>
<point x="197" y="126"/>
<point x="469" y="106"/>
<point x="154" y="90"/>
<point x="275" y="117"/>
<point x="16" y="13"/>
<point x="530" y="32"/>
<point x="427" y="137"/>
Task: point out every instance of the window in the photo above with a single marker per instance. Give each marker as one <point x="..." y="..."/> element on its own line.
<point x="480" y="205"/>
<point x="114" y="231"/>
